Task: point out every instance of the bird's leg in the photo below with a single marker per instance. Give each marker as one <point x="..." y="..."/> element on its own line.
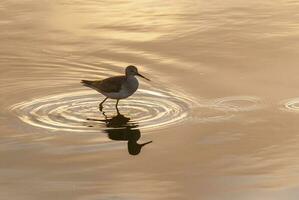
<point x="106" y="118"/>
<point x="117" y="107"/>
<point x="101" y="104"/>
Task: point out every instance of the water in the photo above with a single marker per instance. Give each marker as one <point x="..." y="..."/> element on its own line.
<point x="219" y="118"/>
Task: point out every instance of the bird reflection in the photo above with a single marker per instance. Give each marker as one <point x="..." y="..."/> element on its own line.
<point x="120" y="128"/>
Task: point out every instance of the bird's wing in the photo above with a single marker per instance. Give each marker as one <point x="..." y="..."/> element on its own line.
<point x="112" y="84"/>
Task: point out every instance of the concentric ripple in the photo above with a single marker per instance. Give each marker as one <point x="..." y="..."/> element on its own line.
<point x="224" y="108"/>
<point x="237" y="103"/>
<point x="70" y="111"/>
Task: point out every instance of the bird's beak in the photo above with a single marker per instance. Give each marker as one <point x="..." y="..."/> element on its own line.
<point x="145" y="143"/>
<point x="143" y="77"/>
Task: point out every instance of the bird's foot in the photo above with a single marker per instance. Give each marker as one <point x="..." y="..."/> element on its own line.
<point x="118" y="113"/>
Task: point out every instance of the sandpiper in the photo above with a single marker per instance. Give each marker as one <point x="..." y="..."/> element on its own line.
<point x="117" y="87"/>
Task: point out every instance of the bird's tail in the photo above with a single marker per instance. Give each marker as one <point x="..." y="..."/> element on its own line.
<point x="88" y="84"/>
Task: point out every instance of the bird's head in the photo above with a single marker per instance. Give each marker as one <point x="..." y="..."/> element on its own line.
<point x="133" y="71"/>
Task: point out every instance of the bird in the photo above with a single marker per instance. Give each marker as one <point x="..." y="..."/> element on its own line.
<point x="116" y="87"/>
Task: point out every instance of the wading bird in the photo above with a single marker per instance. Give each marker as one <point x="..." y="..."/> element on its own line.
<point x="116" y="87"/>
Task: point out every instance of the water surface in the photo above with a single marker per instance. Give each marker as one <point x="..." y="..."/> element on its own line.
<point x="219" y="118"/>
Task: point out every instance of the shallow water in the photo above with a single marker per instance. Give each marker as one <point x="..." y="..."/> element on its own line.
<point x="221" y="110"/>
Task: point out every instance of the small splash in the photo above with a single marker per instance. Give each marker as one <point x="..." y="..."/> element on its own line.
<point x="291" y="105"/>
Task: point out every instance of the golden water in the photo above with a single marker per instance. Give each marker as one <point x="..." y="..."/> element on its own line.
<point x="222" y="108"/>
